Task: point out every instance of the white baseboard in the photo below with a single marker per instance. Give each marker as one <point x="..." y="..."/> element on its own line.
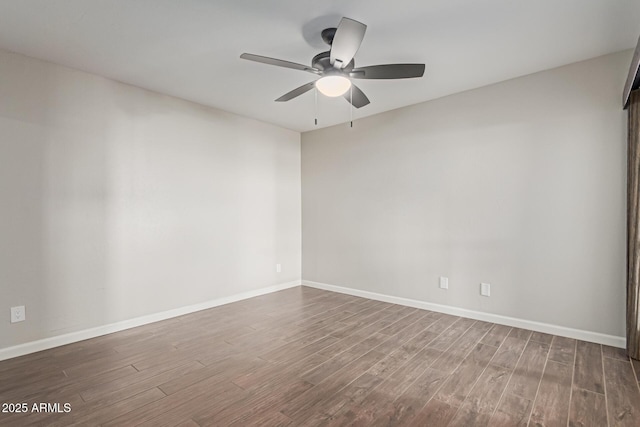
<point x="47" y="343"/>
<point x="595" y="337"/>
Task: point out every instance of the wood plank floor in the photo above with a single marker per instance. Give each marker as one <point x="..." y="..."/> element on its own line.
<point x="306" y="357"/>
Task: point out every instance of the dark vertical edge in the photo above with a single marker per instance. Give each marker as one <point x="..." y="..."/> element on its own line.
<point x="633" y="78"/>
<point x="633" y="257"/>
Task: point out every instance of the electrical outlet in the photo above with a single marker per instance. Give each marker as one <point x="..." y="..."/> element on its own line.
<point x="485" y="289"/>
<point x="18" y="314"/>
<point x="278" y="268"/>
<point x="444" y="283"/>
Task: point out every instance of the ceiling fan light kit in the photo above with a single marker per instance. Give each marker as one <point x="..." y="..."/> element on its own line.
<point x="333" y="86"/>
<point x="336" y="67"/>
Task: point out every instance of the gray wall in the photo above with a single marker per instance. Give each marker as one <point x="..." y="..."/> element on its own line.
<point x="117" y="202"/>
<point x="520" y="184"/>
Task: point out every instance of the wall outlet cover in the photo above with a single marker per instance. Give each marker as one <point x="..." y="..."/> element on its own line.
<point x="485" y="289"/>
<point x="18" y="314"/>
<point x="444" y="283"/>
<point x="278" y="268"/>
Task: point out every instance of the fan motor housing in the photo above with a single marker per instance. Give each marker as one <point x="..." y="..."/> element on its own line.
<point x="322" y="62"/>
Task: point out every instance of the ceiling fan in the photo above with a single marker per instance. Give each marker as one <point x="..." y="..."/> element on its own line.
<point x="336" y="67"/>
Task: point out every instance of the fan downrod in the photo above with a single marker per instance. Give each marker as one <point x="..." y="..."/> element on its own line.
<point x="328" y="34"/>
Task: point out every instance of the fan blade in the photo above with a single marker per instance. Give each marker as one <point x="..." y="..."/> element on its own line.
<point x="296" y="92"/>
<point x="346" y="42"/>
<point x="359" y="98"/>
<point x="389" y="71"/>
<point x="278" y="62"/>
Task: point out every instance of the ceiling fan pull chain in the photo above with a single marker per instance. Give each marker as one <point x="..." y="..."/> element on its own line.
<point x="316" y="104"/>
<point x="351" y="104"/>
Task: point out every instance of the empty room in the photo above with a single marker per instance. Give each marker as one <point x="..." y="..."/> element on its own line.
<point x="296" y="213"/>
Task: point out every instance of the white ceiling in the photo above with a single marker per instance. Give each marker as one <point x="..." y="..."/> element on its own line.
<point x="191" y="48"/>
